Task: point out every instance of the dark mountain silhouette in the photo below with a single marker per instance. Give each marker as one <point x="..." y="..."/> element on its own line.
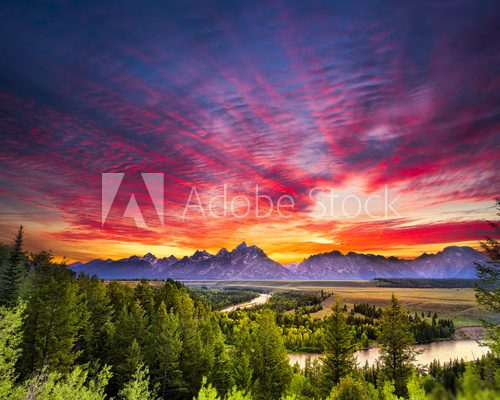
<point x="451" y="262"/>
<point x="250" y="262"/>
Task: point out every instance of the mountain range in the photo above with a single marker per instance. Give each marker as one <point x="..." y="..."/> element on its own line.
<point x="250" y="262"/>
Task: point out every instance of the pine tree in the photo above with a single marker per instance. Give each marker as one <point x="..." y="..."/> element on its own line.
<point x="488" y="290"/>
<point x="242" y="368"/>
<point x="301" y="388"/>
<point x="312" y="371"/>
<point x="396" y="342"/>
<point x="415" y="388"/>
<point x="74" y="384"/>
<point x="221" y="375"/>
<point x="349" y="388"/>
<point x="339" y="349"/>
<point x="138" y="322"/>
<point x="191" y="362"/>
<point x="207" y="392"/>
<point x="4" y="258"/>
<point x="55" y="315"/>
<point x="11" y="321"/>
<point x="144" y="293"/>
<point x="472" y="388"/>
<point x="129" y="326"/>
<point x="388" y="392"/>
<point x="214" y="356"/>
<point x="120" y="296"/>
<point x="164" y="350"/>
<point x="138" y="386"/>
<point x="97" y="333"/>
<point x="13" y="271"/>
<point x="235" y="394"/>
<point x="272" y="371"/>
<point x="131" y="359"/>
<point x="365" y="342"/>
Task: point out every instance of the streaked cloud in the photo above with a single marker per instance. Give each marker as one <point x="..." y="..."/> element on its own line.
<point x="289" y="96"/>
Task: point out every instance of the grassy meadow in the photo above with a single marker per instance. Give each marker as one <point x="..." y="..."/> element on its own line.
<point x="457" y="304"/>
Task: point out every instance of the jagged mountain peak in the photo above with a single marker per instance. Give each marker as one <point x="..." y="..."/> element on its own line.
<point x="222" y="252"/>
<point x="149" y="258"/>
<point x="241" y="246"/>
<point x="200" y="255"/>
<point x="451" y="262"/>
<point x="251" y="262"/>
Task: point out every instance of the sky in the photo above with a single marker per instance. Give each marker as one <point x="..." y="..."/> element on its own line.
<point x="377" y="124"/>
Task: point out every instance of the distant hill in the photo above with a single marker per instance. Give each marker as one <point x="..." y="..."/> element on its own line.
<point x="250" y="262"/>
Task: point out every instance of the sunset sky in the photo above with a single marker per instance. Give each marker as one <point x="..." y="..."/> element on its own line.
<point x="349" y="98"/>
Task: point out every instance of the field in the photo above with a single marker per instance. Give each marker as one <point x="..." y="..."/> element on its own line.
<point x="456" y="303"/>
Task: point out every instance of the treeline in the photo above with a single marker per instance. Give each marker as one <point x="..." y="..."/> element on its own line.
<point x="451" y="283"/>
<point x="426" y="331"/>
<point x="368" y="310"/>
<point x="302" y="301"/>
<point x="64" y="336"/>
<point x="303" y="333"/>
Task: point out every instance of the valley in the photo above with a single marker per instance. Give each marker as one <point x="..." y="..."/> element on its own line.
<point x="457" y="303"/>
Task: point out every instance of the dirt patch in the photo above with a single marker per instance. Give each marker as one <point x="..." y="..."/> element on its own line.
<point x="470" y="332"/>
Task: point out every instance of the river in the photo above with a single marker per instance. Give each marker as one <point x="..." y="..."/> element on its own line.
<point x="442" y="351"/>
<point x="258" y="300"/>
